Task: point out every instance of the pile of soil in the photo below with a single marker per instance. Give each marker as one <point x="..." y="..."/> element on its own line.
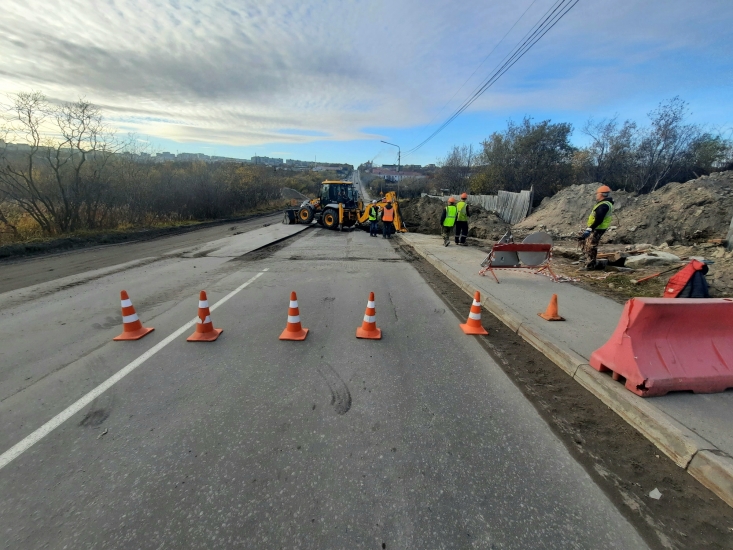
<point x="423" y="216"/>
<point x="677" y="214"/>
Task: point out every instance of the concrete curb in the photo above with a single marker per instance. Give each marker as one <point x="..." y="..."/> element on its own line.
<point x="715" y="471"/>
<point x="709" y="465"/>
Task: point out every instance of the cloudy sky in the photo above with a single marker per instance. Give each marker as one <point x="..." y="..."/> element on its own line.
<point x="329" y="79"/>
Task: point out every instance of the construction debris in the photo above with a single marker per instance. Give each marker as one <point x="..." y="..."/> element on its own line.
<point x="652" y="258"/>
<point x="668" y="227"/>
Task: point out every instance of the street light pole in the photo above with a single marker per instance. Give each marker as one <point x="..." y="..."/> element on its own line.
<point x="399" y="154"/>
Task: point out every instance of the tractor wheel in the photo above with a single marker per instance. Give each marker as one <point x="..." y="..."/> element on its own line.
<point x="305" y="214"/>
<point x="330" y="218"/>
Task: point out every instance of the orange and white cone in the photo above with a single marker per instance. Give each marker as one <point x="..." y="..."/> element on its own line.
<point x="132" y="328"/>
<point x="205" y="331"/>
<point x="368" y="327"/>
<point x="473" y="323"/>
<point x="293" y="330"/>
<point x="551" y="313"/>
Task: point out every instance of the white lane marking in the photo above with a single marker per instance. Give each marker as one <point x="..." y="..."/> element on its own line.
<point x="19" y="448"/>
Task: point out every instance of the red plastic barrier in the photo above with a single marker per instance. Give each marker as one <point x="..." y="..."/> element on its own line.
<point x="663" y="345"/>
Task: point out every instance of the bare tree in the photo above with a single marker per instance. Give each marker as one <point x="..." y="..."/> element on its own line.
<point x="455" y="170"/>
<point x="663" y="144"/>
<point x="610" y="155"/>
<point x="19" y="178"/>
<point x="61" y="177"/>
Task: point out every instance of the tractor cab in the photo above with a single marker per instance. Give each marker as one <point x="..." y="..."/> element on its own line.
<point x="338" y="192"/>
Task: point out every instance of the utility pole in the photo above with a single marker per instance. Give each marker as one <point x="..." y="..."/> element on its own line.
<point x="399" y="154"/>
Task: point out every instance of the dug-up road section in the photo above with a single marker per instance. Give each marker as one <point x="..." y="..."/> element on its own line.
<point x="421" y="439"/>
<point x="407" y="442"/>
<point x="23" y="272"/>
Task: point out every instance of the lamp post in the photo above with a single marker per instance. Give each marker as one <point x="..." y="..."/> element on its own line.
<point x="399" y="154"/>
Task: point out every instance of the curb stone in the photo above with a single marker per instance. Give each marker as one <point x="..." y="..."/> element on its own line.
<point x="706" y="463"/>
<point x="714" y="469"/>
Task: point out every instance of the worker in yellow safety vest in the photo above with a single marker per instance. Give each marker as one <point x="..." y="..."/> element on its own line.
<point x="598" y="222"/>
<point x="373" y="215"/>
<point x="448" y="220"/>
<point x="462" y="220"/>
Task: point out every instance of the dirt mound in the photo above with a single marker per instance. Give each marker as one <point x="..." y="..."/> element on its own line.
<point x="678" y="213"/>
<point x="423" y="216"/>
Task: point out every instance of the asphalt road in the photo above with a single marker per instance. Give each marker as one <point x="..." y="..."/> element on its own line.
<point x="23" y="272"/>
<point x="415" y="441"/>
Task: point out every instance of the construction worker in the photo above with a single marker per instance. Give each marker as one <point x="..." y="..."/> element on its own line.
<point x="373" y="216"/>
<point x="448" y="220"/>
<point x="462" y="220"/>
<point x="598" y="221"/>
<point x="387" y="215"/>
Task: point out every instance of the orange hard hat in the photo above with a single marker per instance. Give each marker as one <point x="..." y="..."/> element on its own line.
<point x="451" y="200"/>
<point x="603" y="189"/>
<point x="464" y="196"/>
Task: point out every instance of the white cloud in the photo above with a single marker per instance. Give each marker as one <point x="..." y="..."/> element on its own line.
<point x="287" y="71"/>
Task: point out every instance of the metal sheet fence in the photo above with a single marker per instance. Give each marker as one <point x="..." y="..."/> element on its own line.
<point x="510" y="207"/>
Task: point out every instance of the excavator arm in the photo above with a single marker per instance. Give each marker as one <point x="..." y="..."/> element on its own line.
<point x="391" y="196"/>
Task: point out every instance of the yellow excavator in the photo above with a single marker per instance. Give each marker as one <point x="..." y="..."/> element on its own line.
<point x="339" y="205"/>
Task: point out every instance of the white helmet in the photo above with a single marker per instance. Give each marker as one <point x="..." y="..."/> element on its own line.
<point x="374" y="201"/>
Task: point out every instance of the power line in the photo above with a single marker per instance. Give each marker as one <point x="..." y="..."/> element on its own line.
<point x="482" y="62"/>
<point x="553" y="15"/>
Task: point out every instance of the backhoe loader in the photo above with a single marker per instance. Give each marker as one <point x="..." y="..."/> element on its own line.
<point x="338" y="205"/>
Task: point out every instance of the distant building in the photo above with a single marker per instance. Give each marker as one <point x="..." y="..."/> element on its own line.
<point x="164" y="157"/>
<point x="267" y="161"/>
<point x="394" y="176"/>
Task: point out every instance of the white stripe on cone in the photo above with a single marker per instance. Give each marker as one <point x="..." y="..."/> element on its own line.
<point x="207" y="320"/>
<point x="474" y="316"/>
<point x="130" y="318"/>
<point x="370" y="305"/>
<point x="293" y="303"/>
<point x="369" y="318"/>
<point x="293" y="318"/>
<point x="126" y="303"/>
<point x="203" y="303"/>
<point x="476" y="303"/>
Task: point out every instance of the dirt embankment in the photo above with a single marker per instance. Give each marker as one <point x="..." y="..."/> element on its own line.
<point x="677" y="214"/>
<point x="685" y="219"/>
<point x="423" y="216"/>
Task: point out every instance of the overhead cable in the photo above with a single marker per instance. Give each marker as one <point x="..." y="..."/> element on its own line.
<point x="554" y="14"/>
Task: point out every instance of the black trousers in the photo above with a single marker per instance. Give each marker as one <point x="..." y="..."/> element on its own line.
<point x="461" y="232"/>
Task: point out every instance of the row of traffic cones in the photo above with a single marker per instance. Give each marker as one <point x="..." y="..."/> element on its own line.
<point x="132" y="328"/>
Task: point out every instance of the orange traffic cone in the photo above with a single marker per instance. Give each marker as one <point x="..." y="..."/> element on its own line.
<point x="132" y="328"/>
<point x="473" y="323"/>
<point x="205" y="331"/>
<point x="293" y="330"/>
<point x="368" y="327"/>
<point x="551" y="313"/>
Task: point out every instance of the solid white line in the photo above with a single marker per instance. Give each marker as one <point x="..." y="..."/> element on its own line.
<point x="19" y="448"/>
